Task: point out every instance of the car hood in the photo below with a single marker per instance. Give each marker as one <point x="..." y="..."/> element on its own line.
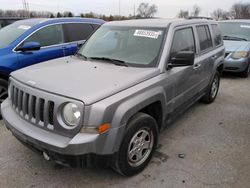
<point x="88" y="81"/>
<point x="234" y="46"/>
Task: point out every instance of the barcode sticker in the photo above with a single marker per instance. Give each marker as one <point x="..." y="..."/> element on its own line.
<point x="148" y="33"/>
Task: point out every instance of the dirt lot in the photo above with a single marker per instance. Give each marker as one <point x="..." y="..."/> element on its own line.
<point x="215" y="141"/>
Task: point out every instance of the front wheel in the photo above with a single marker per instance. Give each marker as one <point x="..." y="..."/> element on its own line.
<point x="3" y="92"/>
<point x="137" y="146"/>
<point x="212" y="90"/>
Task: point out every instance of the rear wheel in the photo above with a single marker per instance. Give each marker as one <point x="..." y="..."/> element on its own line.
<point x="246" y="72"/>
<point x="3" y="92"/>
<point x="137" y="146"/>
<point x="213" y="89"/>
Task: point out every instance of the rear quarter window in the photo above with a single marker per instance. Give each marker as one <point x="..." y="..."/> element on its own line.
<point x="216" y="35"/>
<point x="95" y="26"/>
<point x="204" y="36"/>
<point x="77" y="31"/>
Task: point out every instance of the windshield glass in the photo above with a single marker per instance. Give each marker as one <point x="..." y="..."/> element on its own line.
<point x="11" y="32"/>
<point x="237" y="30"/>
<point x="135" y="46"/>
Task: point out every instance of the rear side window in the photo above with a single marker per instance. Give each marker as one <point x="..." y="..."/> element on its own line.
<point x="217" y="35"/>
<point x="204" y="37"/>
<point x="77" y="31"/>
<point x="183" y="41"/>
<point x="47" y="36"/>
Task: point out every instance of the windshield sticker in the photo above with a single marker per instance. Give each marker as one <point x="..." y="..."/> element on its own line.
<point x="148" y="33"/>
<point x="25" y="27"/>
<point x="245" y="26"/>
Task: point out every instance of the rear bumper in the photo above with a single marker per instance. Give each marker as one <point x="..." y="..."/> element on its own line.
<point x="231" y="65"/>
<point x="43" y="140"/>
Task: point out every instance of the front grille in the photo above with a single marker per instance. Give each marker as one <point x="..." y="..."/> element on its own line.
<point x="32" y="108"/>
<point x="41" y="108"/>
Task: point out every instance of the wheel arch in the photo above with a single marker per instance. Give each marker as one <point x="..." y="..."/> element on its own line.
<point x="145" y="102"/>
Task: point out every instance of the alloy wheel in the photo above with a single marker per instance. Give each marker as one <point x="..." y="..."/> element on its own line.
<point x="140" y="147"/>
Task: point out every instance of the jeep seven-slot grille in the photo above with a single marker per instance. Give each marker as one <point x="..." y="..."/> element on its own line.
<point x="32" y="108"/>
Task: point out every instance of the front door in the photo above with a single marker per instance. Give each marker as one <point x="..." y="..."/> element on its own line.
<point x="184" y="78"/>
<point x="51" y="40"/>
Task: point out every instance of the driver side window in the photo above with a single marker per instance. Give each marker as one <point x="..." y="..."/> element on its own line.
<point x="183" y="41"/>
<point x="47" y="36"/>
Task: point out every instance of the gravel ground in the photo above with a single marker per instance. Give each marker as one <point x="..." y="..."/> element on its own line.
<point x="214" y="140"/>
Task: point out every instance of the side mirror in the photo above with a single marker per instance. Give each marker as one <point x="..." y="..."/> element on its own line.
<point x="183" y="58"/>
<point x="79" y="45"/>
<point x="30" y="46"/>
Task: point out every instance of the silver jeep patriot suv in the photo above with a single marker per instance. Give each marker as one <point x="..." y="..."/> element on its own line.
<point x="111" y="100"/>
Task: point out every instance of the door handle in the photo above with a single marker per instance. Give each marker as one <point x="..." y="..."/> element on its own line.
<point x="196" y="66"/>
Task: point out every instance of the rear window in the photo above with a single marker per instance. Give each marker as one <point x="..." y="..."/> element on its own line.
<point x="204" y="37"/>
<point x="217" y="35"/>
<point x="77" y="31"/>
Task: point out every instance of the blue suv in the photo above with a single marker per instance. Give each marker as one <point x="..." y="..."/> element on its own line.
<point x="32" y="41"/>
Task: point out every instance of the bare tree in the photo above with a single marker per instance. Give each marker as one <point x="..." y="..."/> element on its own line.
<point x="241" y="10"/>
<point x="196" y="11"/>
<point x="58" y="15"/>
<point x="146" y="11"/>
<point x="68" y="14"/>
<point x="220" y="14"/>
<point x="183" y="14"/>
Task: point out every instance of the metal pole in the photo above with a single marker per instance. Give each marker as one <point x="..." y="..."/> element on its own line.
<point x="134" y="10"/>
<point x="119" y="9"/>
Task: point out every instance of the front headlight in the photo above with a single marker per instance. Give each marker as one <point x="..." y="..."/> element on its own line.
<point x="71" y="115"/>
<point x="238" y="55"/>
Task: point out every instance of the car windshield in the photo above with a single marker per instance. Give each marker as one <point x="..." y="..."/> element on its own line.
<point x="11" y="32"/>
<point x="235" y="31"/>
<point x="133" y="46"/>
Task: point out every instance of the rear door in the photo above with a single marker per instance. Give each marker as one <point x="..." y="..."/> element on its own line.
<point x="52" y="45"/>
<point x="75" y="35"/>
<point x="205" y="59"/>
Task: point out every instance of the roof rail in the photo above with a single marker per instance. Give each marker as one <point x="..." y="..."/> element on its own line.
<point x="199" y="17"/>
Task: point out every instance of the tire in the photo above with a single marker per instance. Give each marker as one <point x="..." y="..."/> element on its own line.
<point x="140" y="140"/>
<point x="212" y="90"/>
<point x="246" y="73"/>
<point x="3" y="92"/>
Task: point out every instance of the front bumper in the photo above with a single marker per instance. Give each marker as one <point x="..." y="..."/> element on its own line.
<point x="231" y="65"/>
<point x="43" y="140"/>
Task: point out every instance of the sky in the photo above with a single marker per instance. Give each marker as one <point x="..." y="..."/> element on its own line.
<point x="168" y="9"/>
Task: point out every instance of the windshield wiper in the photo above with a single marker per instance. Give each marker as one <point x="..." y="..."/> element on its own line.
<point x="114" y="61"/>
<point x="227" y="37"/>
